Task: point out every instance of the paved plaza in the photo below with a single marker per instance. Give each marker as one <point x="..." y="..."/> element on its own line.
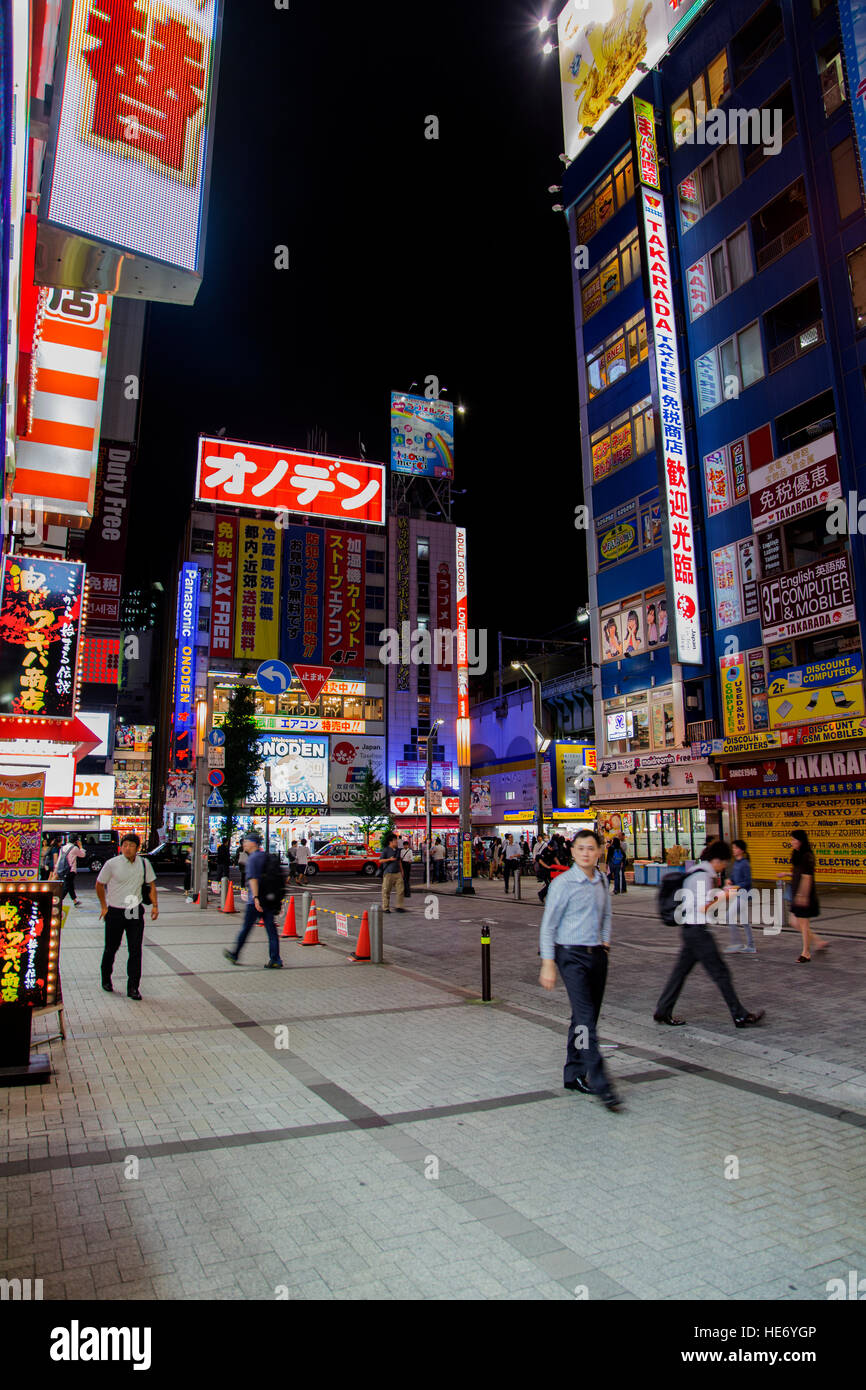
<point x="351" y="1131"/>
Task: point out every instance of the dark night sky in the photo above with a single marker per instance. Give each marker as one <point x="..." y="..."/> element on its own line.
<point x="409" y="257"/>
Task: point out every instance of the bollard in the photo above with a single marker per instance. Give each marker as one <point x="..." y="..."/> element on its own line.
<point x="224" y="890"/>
<point x="305" y="912"/>
<point x="485" y="963"/>
<point x="375" y="935"/>
<point x="517" y="886"/>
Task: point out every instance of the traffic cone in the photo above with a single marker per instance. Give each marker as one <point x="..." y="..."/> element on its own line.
<point x="311" y="936"/>
<point x="362" y="950"/>
<point x="230" y="899"/>
<point x="289" y="928"/>
<point x="198" y="901"/>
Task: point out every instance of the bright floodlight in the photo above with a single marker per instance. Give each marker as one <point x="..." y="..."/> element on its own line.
<point x="548" y="48"/>
<point x="544" y="25"/>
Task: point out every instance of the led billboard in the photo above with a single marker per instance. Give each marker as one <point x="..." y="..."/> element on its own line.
<point x="40" y="635"/>
<point x="422" y="436"/>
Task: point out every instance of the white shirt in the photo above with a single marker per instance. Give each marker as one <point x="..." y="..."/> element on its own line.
<point x="123" y="880"/>
<point x="689" y="911"/>
<point x="73" y="854"/>
<point x="513" y="851"/>
<point x="438" y="851"/>
<point x="302" y="854"/>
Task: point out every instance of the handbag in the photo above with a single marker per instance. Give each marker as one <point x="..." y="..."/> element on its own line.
<point x="145" y="886"/>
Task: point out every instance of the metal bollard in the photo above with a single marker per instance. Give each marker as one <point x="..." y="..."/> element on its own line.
<point x="517" y="886"/>
<point x="305" y="914"/>
<point x="224" y="890"/>
<point x="485" y="963"/>
<point x="375" y="935"/>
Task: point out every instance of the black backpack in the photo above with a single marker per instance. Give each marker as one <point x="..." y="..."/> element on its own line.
<point x="62" y="865"/>
<point x="272" y="889"/>
<point x="668" y="901"/>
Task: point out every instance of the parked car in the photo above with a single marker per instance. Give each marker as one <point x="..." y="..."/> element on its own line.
<point x="98" y="846"/>
<point x="340" y="856"/>
<point x="169" y="857"/>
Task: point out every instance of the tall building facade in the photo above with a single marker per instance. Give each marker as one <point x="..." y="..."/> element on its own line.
<point x="761" y="200"/>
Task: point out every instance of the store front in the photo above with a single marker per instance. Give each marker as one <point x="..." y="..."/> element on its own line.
<point x="652" y="805"/>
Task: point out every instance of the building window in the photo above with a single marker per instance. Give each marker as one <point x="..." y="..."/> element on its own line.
<point x="618" y="354"/>
<point x="606" y="198"/>
<point x="707" y="91"/>
<point x="423" y="548"/>
<point x="623" y="439"/>
<point x="846" y="179"/>
<point x="726" y="370"/>
<point x="373" y="634"/>
<point x="375" y="598"/>
<point x="634" y="625"/>
<point x="857" y="281"/>
<point x="832" y="78"/>
<point x="611" y="275"/>
<point x="374" y="710"/>
<point x="712" y="277"/>
<point x="756" y="41"/>
<point x="782" y="122"/>
<point x="781" y="225"/>
<point x="375" y="561"/>
<point x="201" y="542"/>
<point x="711" y="182"/>
<point x="647" y="722"/>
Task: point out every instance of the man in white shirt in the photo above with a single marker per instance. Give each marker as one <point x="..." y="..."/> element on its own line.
<point x="119" y="890"/>
<point x="513" y="856"/>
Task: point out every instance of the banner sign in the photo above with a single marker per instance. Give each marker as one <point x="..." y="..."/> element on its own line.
<point x="268" y="479"/>
<point x="822" y="698"/>
<point x="40" y="634"/>
<point x="222" y="602"/>
<point x="647" y="154"/>
<point x="105" y="545"/>
<point x="103" y="598"/>
<point x="735" y="701"/>
<point x="257" y="624"/>
<point x="299" y="771"/>
<point x="22" y="804"/>
<point x="422" y="436"/>
<point x="303" y="594"/>
<point x="808" y="600"/>
<point x="834" y="824"/>
<point x="836" y="731"/>
<point x="180" y="793"/>
<point x="852" y="22"/>
<point x="29" y="947"/>
<point x="797" y="770"/>
<point x="443" y="611"/>
<point x="345" y="599"/>
<point x="819" y="673"/>
<point x="698" y="283"/>
<point x="462" y="631"/>
<point x="480" y="804"/>
<point x="403" y="571"/>
<point x="350" y="759"/>
<point x="673" y="459"/>
<point x="718" y="480"/>
<point x="797" y="483"/>
<point x="184" y="678"/>
<point x="628" y="528"/>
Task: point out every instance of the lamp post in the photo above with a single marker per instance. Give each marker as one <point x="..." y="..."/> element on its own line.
<point x="428" y="792"/>
<point x="541" y="742"/>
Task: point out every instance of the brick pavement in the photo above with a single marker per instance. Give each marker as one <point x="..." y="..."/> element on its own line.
<point x="410" y="1142"/>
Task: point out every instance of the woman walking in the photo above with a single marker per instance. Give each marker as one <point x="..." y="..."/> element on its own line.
<point x="804" y="895"/>
<point x="738" y="896"/>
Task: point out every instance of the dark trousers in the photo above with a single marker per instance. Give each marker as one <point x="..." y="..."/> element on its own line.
<point x="511" y="867"/>
<point x="251" y="916"/>
<point x="617" y="874"/>
<point x="699" y="947"/>
<point x="407" y="880"/>
<point x="116" y="923"/>
<point x="584" y="974"/>
<point x="67" y="885"/>
<point x="543" y="876"/>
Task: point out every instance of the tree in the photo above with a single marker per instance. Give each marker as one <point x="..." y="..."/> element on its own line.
<point x="370" y="805"/>
<point x="244" y="756"/>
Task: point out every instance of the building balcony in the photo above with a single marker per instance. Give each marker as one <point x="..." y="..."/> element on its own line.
<point x="702" y="732"/>
<point x="786" y="241"/>
<point x="798" y="346"/>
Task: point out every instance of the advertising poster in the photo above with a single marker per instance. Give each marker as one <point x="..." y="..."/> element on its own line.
<point x="747" y="557"/>
<point x="718" y="480"/>
<point x="799" y="482"/>
<point x="303" y="594"/>
<point x="350" y="758"/>
<point x="738" y="469"/>
<point x="735" y="697"/>
<point x="22" y="803"/>
<point x="186" y="630"/>
<point x="422" y="436"/>
<point x="133" y="126"/>
<point x="698" y="282"/>
<point x="180" y="793"/>
<point x="344" y="599"/>
<point x="40" y="632"/>
<point x="257" y="621"/>
<point x="403" y="584"/>
<point x="808" y="599"/>
<point x="29" y="943"/>
<point x="757" y="666"/>
<point x="601" y="459"/>
<point x="222" y="602"/>
<point x="571" y="760"/>
<point x="690" y="203"/>
<point x="481" y="804"/>
<point x="836" y="826"/>
<point x="604" y="52"/>
<point x="248" y="475"/>
<point x="611" y="637"/>
<point x="726" y="587"/>
<point x="618" y="534"/>
<point x="299" y="771"/>
<point x="708" y="382"/>
<point x="823" y="702"/>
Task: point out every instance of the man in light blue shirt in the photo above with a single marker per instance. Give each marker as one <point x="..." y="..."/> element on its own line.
<point x="575" y="936"/>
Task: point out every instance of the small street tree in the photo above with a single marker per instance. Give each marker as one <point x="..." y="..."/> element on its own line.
<point x="243" y="755"/>
<point x="369" y="805"/>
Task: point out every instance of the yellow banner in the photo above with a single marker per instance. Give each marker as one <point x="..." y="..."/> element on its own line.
<point x="257" y="623"/>
<point x="735" y="696"/>
<point x="821" y="702"/>
<point x="836" y="826"/>
<point x="750" y="743"/>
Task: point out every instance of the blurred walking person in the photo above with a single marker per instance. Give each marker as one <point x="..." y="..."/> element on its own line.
<point x="266" y="893"/>
<point x="67" y="864"/>
<point x="804" y="895"/>
<point x="438" y="861"/>
<point x="737" y="893"/>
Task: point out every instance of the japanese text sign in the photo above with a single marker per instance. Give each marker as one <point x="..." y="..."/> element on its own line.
<point x="303" y="590"/>
<point x="797" y="483"/>
<point x="29" y="943"/>
<point x="403" y="588"/>
<point x="344" y="599"/>
<point x="249" y="475"/>
<point x="222" y="621"/>
<point x="257" y="625"/>
<point x="807" y="600"/>
<point x="22" y="800"/>
<point x="131" y="158"/>
<point x="673" y="460"/>
<point x="40" y="634"/>
<point x="184" y="679"/>
<point x="647" y="154"/>
<point x="422" y="436"/>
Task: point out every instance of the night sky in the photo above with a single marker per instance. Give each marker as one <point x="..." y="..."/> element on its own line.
<point x="409" y="257"/>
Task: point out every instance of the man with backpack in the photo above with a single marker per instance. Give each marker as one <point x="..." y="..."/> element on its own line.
<point x="616" y="865"/>
<point x="70" y="853"/>
<point x="683" y="901"/>
<point x="266" y="891"/>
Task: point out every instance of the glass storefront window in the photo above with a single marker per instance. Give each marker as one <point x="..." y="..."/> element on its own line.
<point x="654" y="827"/>
<point x="374" y="709"/>
<point x="353" y="707"/>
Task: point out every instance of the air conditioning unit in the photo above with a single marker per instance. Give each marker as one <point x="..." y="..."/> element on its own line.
<point x="692" y="702"/>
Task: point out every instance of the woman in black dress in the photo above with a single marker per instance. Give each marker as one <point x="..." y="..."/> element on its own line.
<point x="804" y="896"/>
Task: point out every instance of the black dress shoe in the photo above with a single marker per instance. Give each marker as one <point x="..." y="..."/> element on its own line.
<point x="578" y="1084"/>
<point x="669" y="1018"/>
<point x="133" y="994"/>
<point x="611" y="1100"/>
<point x="749" y="1020"/>
<point x="108" y="987"/>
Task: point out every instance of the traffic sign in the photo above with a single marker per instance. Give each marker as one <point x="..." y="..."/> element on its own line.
<point x="436" y="785"/>
<point x="216" y="738"/>
<point x="216" y="777"/>
<point x="313" y="679"/>
<point x="274" y="677"/>
<point x="216" y="757"/>
<point x="215" y="799"/>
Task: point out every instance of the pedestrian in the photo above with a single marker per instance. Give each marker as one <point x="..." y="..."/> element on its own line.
<point x="223" y="859"/>
<point x="543" y="866"/>
<point x="51" y="854"/>
<point x="496" y="859"/>
<point x="804" y="895"/>
<point x="391" y="875"/>
<point x="698" y="943"/>
<point x="738" y="901"/>
<point x="67" y="864"/>
<point x="512" y="857"/>
<point x="616" y="865"/>
<point x="575" y="938"/>
<point x="186" y="860"/>
<point x="243" y="859"/>
<point x="302" y="859"/>
<point x="123" y="885"/>
<point x="266" y="893"/>
<point x="407" y="859"/>
<point x="438" y="861"/>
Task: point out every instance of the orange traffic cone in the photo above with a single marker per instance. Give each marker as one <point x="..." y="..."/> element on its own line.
<point x="230" y="899"/>
<point x="362" y="950"/>
<point x="198" y="901"/>
<point x="289" y="928"/>
<point x="311" y="936"/>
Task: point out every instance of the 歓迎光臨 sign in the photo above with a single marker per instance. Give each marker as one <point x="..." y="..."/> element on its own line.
<point x="281" y="480"/>
<point x="808" y="599"/>
<point x="673" y="460"/>
<point x="40" y="636"/>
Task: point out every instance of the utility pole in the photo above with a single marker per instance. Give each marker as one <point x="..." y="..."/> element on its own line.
<point x="541" y="743"/>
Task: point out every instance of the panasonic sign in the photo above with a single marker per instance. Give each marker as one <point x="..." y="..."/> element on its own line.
<point x="184" y="684"/>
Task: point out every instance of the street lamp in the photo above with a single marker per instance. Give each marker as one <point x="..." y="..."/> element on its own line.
<point x="541" y="742"/>
<point x="267" y="772"/>
<point x="428" y="791"/>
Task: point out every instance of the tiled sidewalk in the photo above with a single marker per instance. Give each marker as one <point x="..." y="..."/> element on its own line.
<point x="397" y="1141"/>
